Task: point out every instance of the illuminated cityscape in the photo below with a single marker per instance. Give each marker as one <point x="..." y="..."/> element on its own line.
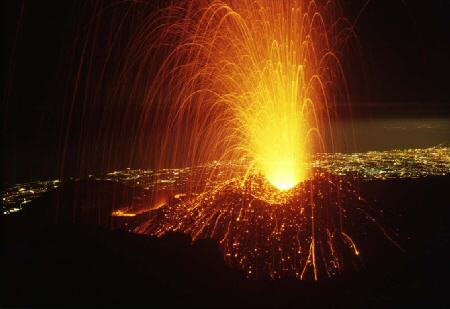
<point x="16" y="197"/>
<point x="409" y="163"/>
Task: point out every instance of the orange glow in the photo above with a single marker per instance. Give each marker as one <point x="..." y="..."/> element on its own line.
<point x="120" y="213"/>
<point x="254" y="81"/>
<point x="245" y="78"/>
<point x="272" y="111"/>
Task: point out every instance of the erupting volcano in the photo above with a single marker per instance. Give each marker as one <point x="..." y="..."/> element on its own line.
<point x="231" y="153"/>
<point x="247" y="80"/>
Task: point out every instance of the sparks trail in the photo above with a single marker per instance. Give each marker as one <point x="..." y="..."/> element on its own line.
<point x="256" y="79"/>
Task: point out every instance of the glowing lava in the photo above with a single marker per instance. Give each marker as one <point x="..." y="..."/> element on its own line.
<point x="277" y="130"/>
<point x="254" y="81"/>
<point x="284" y="236"/>
<point x="274" y="119"/>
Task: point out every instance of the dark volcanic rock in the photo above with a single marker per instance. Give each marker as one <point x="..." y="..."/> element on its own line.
<point x="72" y="258"/>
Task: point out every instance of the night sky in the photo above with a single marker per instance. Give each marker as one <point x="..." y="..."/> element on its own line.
<point x="403" y="68"/>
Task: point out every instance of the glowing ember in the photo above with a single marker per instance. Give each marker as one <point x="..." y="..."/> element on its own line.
<point x="121" y="213"/>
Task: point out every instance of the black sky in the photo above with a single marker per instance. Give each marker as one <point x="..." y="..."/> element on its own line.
<point x="404" y="64"/>
<point x="406" y="48"/>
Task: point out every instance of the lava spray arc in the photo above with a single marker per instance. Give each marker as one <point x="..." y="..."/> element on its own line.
<point x="253" y="83"/>
<point x="254" y="79"/>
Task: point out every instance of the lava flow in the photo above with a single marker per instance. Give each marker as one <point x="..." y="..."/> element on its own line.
<point x="270" y="232"/>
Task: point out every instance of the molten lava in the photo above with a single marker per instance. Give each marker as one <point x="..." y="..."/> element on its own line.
<point x="275" y="119"/>
<point x="253" y="81"/>
<point x="276" y="126"/>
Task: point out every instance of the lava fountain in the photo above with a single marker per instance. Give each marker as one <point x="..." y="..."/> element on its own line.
<point x="254" y="81"/>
